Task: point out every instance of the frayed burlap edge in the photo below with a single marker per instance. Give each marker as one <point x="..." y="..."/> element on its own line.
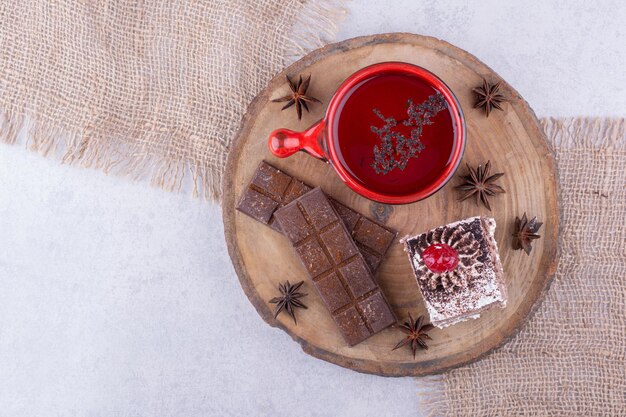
<point x="109" y="155"/>
<point x="316" y="25"/>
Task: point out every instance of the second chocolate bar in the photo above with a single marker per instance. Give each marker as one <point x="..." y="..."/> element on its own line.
<point x="270" y="189"/>
<point x="336" y="266"/>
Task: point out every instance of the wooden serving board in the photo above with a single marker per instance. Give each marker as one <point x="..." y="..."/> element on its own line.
<point x="512" y="139"/>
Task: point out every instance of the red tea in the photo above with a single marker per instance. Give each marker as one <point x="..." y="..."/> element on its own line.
<point x="394" y="133"/>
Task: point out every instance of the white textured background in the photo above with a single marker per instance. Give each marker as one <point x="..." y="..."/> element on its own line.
<point x="117" y="299"/>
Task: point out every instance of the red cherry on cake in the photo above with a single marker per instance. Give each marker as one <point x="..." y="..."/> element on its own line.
<point x="440" y="257"/>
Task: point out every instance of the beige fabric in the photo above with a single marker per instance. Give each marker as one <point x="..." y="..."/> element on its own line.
<point x="154" y="89"/>
<point x="570" y="359"/>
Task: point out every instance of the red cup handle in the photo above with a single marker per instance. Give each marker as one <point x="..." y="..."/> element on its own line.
<point x="285" y="142"/>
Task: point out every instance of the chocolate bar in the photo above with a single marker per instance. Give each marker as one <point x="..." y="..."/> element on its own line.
<point x="458" y="270"/>
<point x="337" y="268"/>
<point x="271" y="189"/>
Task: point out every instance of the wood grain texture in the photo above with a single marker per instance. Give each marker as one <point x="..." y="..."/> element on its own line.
<point x="512" y="139"/>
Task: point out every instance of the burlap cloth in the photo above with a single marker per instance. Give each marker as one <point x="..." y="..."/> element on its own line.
<point x="152" y="89"/>
<point x="570" y="358"/>
<point x="156" y="89"/>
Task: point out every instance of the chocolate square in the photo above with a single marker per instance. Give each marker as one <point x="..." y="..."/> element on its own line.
<point x="295" y="190"/>
<point x="352" y="326"/>
<point x="332" y="292"/>
<point x="272" y="180"/>
<point x="338" y="243"/>
<point x="257" y="205"/>
<point x="350" y="217"/>
<point x="319" y="210"/>
<point x="374" y="237"/>
<point x="296" y="227"/>
<point x="355" y="274"/>
<point x="313" y="257"/>
<point x="375" y="312"/>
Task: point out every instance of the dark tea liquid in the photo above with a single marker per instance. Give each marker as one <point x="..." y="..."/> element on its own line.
<point x="355" y="140"/>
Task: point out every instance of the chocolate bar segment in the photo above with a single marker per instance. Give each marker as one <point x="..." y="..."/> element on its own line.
<point x="271" y="189"/>
<point x="269" y="184"/>
<point x="337" y="268"/>
<point x="372" y="238"/>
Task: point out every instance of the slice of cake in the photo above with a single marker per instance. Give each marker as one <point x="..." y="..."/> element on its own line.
<point x="458" y="270"/>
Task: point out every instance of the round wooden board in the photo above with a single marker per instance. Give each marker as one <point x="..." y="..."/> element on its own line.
<point x="512" y="139"/>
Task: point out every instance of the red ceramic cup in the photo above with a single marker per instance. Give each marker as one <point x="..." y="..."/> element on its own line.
<point x="330" y="141"/>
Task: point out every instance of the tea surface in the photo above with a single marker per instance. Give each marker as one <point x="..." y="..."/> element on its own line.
<point x="394" y="134"/>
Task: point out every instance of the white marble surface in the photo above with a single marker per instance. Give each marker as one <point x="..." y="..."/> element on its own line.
<point x="117" y="299"/>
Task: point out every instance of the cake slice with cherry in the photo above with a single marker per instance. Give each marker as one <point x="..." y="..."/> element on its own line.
<point x="458" y="270"/>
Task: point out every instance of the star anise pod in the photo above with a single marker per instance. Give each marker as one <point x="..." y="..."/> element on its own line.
<point x="298" y="96"/>
<point x="488" y="96"/>
<point x="289" y="299"/>
<point x="525" y="232"/>
<point x="480" y="183"/>
<point x="416" y="334"/>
